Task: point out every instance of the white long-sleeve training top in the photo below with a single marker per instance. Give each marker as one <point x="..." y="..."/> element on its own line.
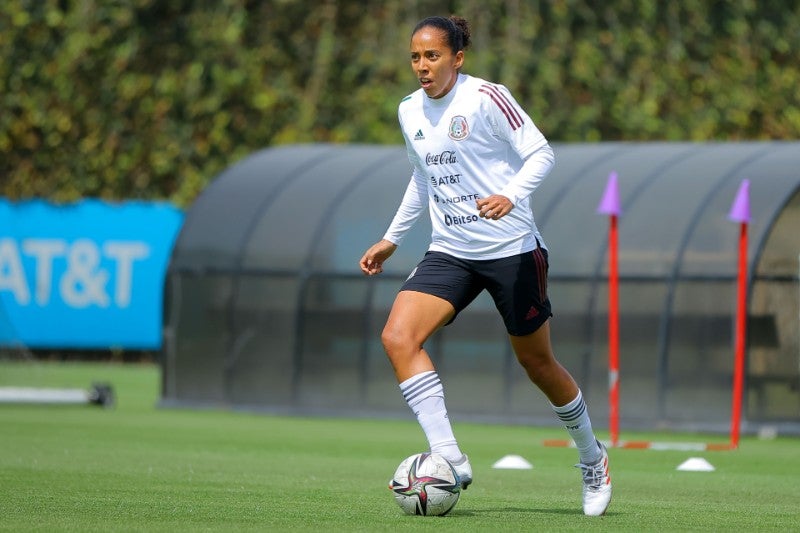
<point x="473" y="142"/>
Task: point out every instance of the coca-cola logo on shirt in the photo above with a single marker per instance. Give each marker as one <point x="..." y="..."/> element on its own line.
<point x="448" y="157"/>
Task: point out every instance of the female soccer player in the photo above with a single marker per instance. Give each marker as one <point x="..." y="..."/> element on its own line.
<point x="476" y="158"/>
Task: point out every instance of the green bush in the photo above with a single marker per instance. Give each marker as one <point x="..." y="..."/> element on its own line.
<point x="152" y="98"/>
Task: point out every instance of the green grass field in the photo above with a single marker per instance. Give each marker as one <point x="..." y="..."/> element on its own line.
<point x="140" y="468"/>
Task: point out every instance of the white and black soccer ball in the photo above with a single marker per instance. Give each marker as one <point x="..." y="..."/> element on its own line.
<point x="426" y="484"/>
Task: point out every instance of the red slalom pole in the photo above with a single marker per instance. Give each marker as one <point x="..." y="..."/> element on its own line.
<point x="741" y="334"/>
<point x="613" y="333"/>
<point x="740" y="212"/>
<point x="610" y="205"/>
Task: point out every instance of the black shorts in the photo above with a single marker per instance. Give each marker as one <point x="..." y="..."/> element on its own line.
<point x="517" y="284"/>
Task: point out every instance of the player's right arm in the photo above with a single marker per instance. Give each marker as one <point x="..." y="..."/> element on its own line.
<point x="414" y="201"/>
<point x="411" y="207"/>
<point x="372" y="260"/>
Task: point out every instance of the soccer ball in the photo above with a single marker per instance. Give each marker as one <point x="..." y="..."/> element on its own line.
<point x="425" y="484"/>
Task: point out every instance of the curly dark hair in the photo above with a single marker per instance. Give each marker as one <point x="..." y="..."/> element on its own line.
<point x="456" y="28"/>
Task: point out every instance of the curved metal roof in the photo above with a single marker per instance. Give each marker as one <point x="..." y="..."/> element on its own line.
<point x="267" y="306"/>
<point x="319" y="206"/>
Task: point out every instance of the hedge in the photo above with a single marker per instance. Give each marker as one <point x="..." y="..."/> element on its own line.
<point x="151" y="99"/>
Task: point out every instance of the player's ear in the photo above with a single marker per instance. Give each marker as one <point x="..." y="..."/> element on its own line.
<point x="459" y="59"/>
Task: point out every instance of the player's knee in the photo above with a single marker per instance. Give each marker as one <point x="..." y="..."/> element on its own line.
<point x="394" y="340"/>
<point x="540" y="363"/>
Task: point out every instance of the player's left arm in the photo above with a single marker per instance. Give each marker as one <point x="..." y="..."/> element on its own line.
<point x="511" y="123"/>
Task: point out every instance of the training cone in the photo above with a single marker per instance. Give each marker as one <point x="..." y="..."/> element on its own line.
<point x="513" y="462"/>
<point x="696" y="464"/>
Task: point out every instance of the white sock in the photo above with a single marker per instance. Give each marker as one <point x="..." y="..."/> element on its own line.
<point x="425" y="396"/>
<point x="576" y="420"/>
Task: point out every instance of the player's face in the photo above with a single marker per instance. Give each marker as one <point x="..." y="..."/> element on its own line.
<point x="434" y="64"/>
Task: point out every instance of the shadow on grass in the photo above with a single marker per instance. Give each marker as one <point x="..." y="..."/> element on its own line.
<point x="526" y="510"/>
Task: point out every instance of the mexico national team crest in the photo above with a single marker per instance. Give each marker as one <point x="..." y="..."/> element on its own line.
<point x="459" y="129"/>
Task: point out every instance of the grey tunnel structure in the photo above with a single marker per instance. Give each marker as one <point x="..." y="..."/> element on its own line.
<point x="266" y="308"/>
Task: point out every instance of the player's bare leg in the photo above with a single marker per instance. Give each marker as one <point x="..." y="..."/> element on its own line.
<point x="535" y="354"/>
<point x="414" y="317"/>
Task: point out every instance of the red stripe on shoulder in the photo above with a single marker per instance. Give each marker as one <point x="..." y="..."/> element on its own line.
<point x="508" y="108"/>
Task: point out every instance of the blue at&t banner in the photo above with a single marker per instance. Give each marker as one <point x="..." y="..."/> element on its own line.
<point x="84" y="275"/>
